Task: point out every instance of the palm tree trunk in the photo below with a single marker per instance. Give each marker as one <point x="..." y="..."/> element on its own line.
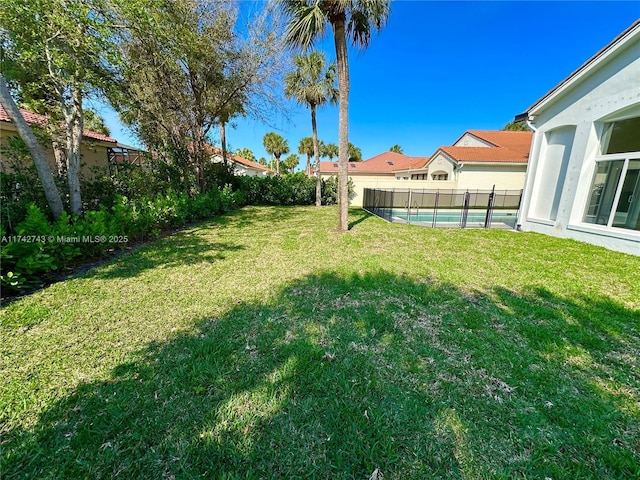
<point x="73" y="117"/>
<point x="316" y="154"/>
<point x="35" y="149"/>
<point x="340" y="41"/>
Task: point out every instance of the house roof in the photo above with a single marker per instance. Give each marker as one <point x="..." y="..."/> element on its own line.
<point x="238" y="159"/>
<point x="505" y="147"/>
<point x="485" y="154"/>
<point x="384" y="163"/>
<point x="35" y="118"/>
<point x="576" y="75"/>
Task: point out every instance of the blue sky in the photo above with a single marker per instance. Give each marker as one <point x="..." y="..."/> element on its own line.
<point x="440" y="68"/>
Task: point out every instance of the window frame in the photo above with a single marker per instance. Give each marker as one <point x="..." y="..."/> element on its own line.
<point x="626" y="157"/>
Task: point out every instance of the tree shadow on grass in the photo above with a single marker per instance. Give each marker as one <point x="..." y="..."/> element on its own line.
<point x="363" y="215"/>
<point x="341" y="375"/>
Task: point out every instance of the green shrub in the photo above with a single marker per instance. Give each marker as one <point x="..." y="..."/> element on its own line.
<point x="330" y="190"/>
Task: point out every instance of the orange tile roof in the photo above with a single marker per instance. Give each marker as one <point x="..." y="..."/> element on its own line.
<point x="384" y="163"/>
<point x="238" y="159"/>
<point x="484" y="154"/>
<point x="508" y="147"/>
<point x="518" y="142"/>
<point x="35" y="118"/>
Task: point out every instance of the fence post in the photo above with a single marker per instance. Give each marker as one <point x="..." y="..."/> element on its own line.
<point x="435" y="210"/>
<point x="487" y="220"/>
<point x="409" y="208"/>
<point x="465" y="209"/>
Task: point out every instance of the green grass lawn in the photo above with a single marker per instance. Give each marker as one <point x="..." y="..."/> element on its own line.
<point x="264" y="345"/>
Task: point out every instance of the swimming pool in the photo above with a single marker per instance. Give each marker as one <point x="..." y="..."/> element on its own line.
<point x="475" y="218"/>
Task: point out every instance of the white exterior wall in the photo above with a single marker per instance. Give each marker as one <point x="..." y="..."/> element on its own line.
<point x="441" y="163"/>
<point x="240" y="169"/>
<point x="576" y="117"/>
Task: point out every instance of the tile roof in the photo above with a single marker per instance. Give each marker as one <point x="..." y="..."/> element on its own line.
<point x="384" y="163"/>
<point x="485" y="154"/>
<point x="35" y="118"/>
<point x="517" y="142"/>
<point x="238" y="159"/>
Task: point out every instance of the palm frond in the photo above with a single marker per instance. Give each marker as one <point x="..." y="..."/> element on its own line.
<point x="307" y="22"/>
<point x="365" y="16"/>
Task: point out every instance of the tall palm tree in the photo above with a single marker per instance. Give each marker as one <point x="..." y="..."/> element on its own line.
<point x="308" y="21"/>
<point x="312" y="85"/>
<point x="307" y="147"/>
<point x="276" y="146"/>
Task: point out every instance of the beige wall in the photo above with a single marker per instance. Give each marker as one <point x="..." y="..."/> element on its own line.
<point x="93" y="153"/>
<point x="484" y="177"/>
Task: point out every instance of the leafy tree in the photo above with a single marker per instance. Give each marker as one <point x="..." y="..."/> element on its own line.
<point x="276" y="146"/>
<point x="307" y="147"/>
<point x="330" y="150"/>
<point x="35" y="149"/>
<point x="396" y="148"/>
<point x="189" y="70"/>
<point x="307" y="21"/>
<point x="247" y="153"/>
<point x="517" y="127"/>
<point x="59" y="52"/>
<point x="291" y="162"/>
<point x="263" y="161"/>
<point x="313" y="85"/>
<point x="355" y="154"/>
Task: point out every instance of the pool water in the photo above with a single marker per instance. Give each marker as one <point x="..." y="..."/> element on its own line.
<point x="455" y="216"/>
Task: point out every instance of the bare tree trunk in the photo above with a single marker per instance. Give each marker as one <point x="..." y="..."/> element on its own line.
<point x="35" y="149"/>
<point x="340" y="40"/>
<point x="73" y="118"/>
<point x="223" y="142"/>
<point x="316" y="154"/>
<point x="61" y="158"/>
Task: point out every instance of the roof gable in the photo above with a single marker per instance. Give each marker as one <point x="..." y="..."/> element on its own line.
<point x="238" y="159"/>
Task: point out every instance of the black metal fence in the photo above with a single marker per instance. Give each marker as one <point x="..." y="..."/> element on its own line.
<point x="445" y="208"/>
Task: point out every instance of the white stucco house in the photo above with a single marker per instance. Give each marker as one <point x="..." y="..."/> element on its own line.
<point x="478" y="160"/>
<point x="241" y="166"/>
<point x="583" y="180"/>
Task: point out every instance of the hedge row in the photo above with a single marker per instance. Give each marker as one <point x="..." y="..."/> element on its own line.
<point x="36" y="248"/>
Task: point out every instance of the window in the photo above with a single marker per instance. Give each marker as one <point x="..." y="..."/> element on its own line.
<point x="419" y="176"/>
<point x="614" y="199"/>
<point x="440" y="176"/>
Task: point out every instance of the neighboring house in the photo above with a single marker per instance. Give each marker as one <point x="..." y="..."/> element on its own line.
<point x="241" y="166"/>
<point x="98" y="152"/>
<point x="479" y="159"/>
<point x="376" y="172"/>
<point x="583" y="180"/>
